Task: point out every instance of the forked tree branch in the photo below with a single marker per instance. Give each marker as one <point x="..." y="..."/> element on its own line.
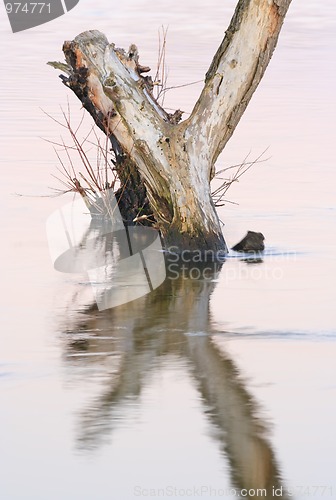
<point x="174" y="162"/>
<point x="236" y="71"/>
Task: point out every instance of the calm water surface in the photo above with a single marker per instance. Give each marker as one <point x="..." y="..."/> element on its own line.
<point x="202" y="388"/>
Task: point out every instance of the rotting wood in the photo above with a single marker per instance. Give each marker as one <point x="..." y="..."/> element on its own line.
<point x="165" y="165"/>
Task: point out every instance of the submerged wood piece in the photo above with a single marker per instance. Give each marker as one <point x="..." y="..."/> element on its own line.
<point x="252" y="242"/>
<point x="175" y="161"/>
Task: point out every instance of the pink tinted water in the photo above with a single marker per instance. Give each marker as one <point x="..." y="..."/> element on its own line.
<point x="275" y="320"/>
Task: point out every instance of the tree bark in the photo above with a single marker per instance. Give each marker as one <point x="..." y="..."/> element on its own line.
<point x="163" y="165"/>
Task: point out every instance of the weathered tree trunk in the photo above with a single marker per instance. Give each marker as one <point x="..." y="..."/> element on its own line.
<point x="166" y="166"/>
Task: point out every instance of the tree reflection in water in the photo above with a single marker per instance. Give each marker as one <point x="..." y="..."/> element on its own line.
<point x="174" y="320"/>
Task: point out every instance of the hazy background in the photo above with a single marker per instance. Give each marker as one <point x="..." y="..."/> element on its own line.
<point x="275" y="320"/>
